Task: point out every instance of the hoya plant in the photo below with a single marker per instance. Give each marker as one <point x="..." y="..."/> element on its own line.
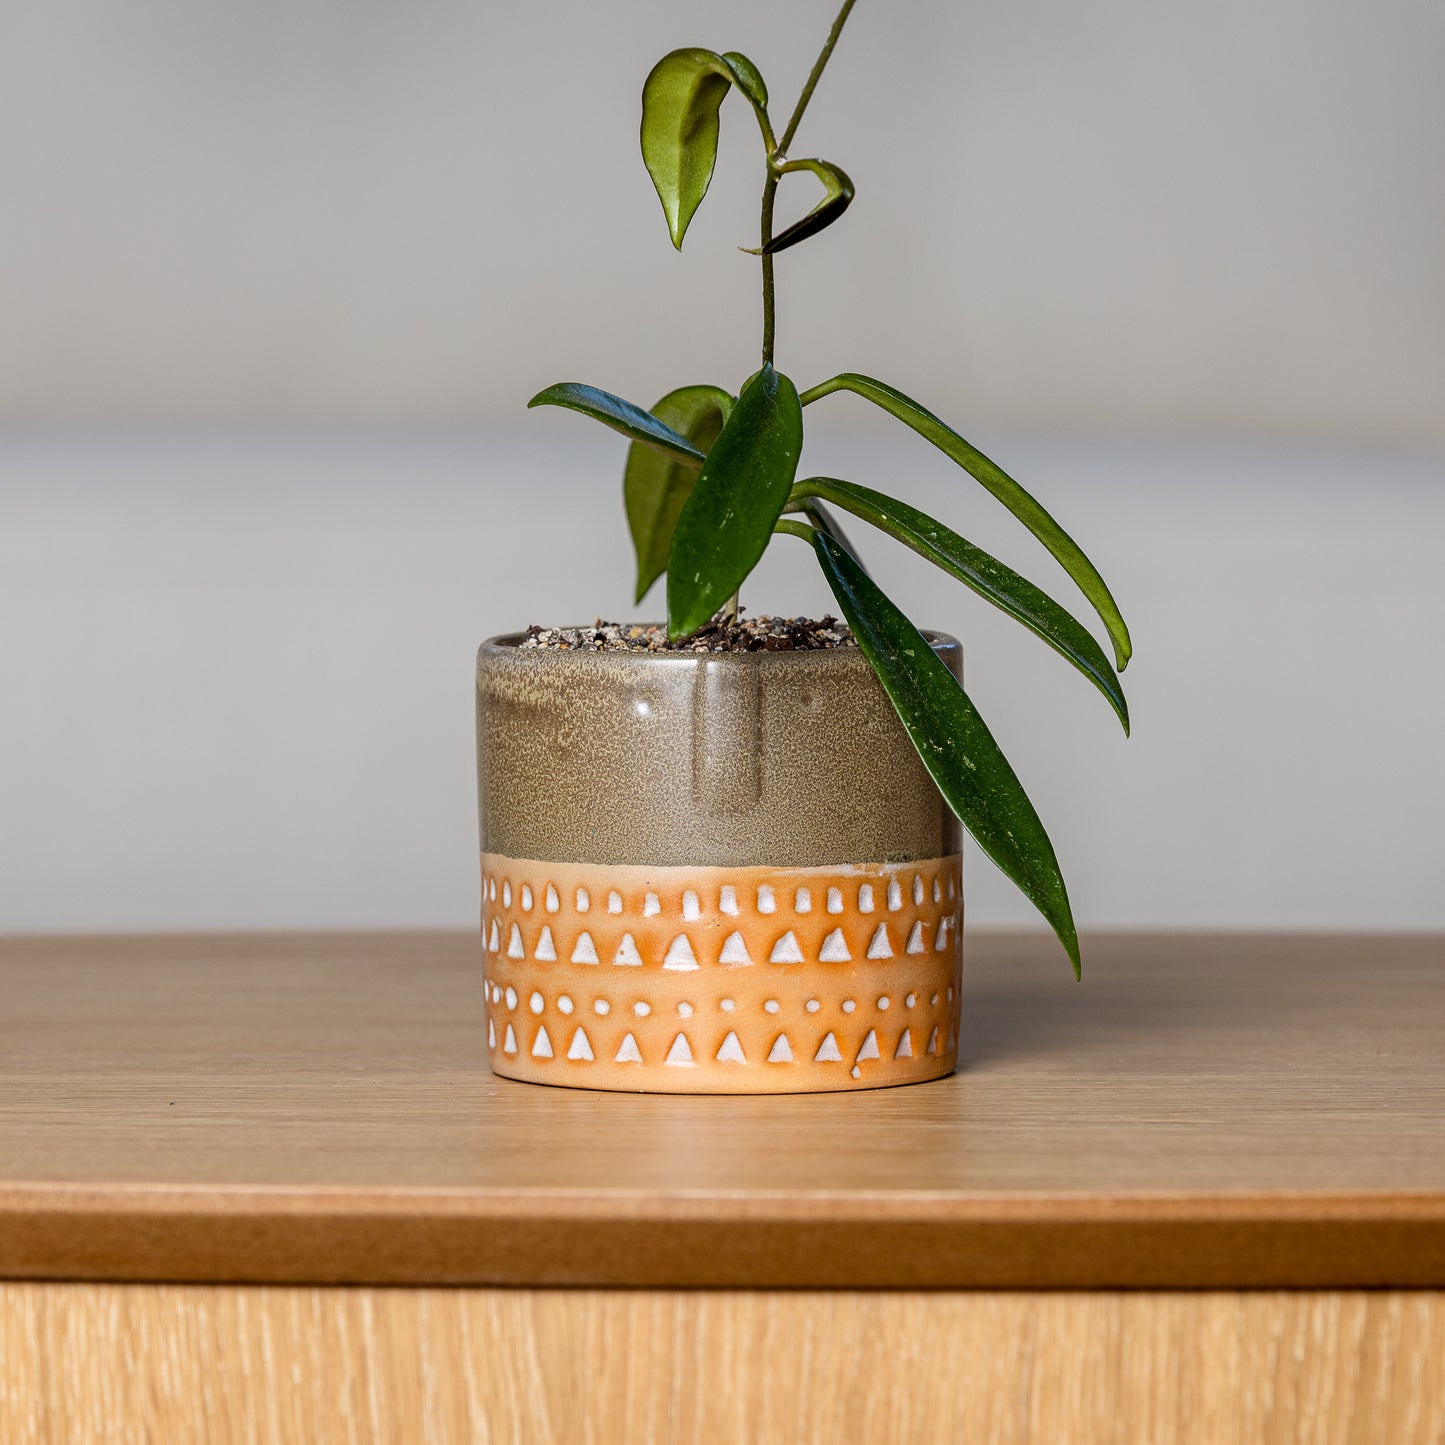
<point x="712" y="477"/>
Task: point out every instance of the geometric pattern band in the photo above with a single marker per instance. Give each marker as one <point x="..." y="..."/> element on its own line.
<point x="722" y="980"/>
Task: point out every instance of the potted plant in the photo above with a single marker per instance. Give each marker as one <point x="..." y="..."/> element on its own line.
<point x="723" y="855"/>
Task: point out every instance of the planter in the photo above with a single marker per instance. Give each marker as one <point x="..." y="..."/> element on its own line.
<point x="711" y="874"/>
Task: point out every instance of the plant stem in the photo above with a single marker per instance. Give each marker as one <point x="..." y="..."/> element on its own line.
<point x="808" y="89"/>
<point x="770" y="191"/>
<point x="770" y="186"/>
<point x="776" y="156"/>
<point x="784" y="526"/>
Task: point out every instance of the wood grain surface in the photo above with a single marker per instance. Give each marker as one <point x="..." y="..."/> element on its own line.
<point x="1201" y="1111"/>
<point x="175" y="1365"/>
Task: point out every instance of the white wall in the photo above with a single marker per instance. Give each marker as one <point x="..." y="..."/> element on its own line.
<point x="276" y="279"/>
<point x="238" y="672"/>
<point x="1114" y="216"/>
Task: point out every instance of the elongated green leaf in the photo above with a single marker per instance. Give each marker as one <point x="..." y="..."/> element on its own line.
<point x="680" y="101"/>
<point x="953" y="740"/>
<point x="631" y="421"/>
<point x="989" y="577"/>
<point x="837" y="197"/>
<point x="996" y="480"/>
<point x="748" y="77"/>
<point x="727" y="522"/>
<point x="655" y="485"/>
<point x="824" y="521"/>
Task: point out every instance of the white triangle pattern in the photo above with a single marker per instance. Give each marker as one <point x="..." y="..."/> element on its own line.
<point x="514" y="944"/>
<point x="680" y="957"/>
<point x="880" y="946"/>
<point x="835" y="948"/>
<point x="580" y="1047"/>
<point x="627" y="952"/>
<point x="735" y="950"/>
<point x="786" y="950"/>
<point x="542" y="1044"/>
<point x="680" y="1052"/>
<point x="828" y="1051"/>
<point x="915" y="940"/>
<point x="782" y="1051"/>
<point x="870" y="1047"/>
<point x="731" y="1051"/>
<point x="509" y="1044"/>
<point x="546" y="949"/>
<point x="628" y="1052"/>
<point x="586" y="950"/>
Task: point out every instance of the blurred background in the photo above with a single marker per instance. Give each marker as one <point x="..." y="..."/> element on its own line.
<point x="276" y="280"/>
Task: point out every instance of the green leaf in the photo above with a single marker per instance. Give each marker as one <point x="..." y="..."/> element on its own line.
<point x="631" y="421"/>
<point x="989" y="577"/>
<point x="953" y="740"/>
<point x="727" y="522"/>
<point x="824" y="521"/>
<point x="655" y="485"/>
<point x="1003" y="486"/>
<point x="680" y="101"/>
<point x="748" y="78"/>
<point x="837" y="197"/>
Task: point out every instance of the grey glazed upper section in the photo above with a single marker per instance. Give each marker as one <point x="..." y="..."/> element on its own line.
<point x="784" y="759"/>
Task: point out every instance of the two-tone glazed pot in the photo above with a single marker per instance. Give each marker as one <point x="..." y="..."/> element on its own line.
<point x="711" y="873"/>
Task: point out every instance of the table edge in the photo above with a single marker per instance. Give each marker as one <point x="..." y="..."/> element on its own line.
<point x="224" y="1234"/>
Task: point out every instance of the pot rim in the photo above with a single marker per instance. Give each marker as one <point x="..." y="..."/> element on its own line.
<point x="506" y="644"/>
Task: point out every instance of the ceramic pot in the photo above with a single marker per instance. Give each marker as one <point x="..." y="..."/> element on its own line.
<point x="711" y="874"/>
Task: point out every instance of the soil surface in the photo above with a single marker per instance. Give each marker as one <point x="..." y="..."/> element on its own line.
<point x="746" y="634"/>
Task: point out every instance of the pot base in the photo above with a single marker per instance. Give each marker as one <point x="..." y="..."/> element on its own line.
<point x="690" y="980"/>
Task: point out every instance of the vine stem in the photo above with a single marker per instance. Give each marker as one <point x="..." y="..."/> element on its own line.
<point x="777" y="154"/>
<point x="817" y="71"/>
<point x="770" y="186"/>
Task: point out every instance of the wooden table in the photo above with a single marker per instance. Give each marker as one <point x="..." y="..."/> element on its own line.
<point x="261" y="1188"/>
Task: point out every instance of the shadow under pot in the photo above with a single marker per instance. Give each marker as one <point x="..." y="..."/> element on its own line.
<point x="712" y="874"/>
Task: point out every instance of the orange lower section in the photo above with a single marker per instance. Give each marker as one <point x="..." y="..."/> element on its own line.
<point x="722" y="980"/>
